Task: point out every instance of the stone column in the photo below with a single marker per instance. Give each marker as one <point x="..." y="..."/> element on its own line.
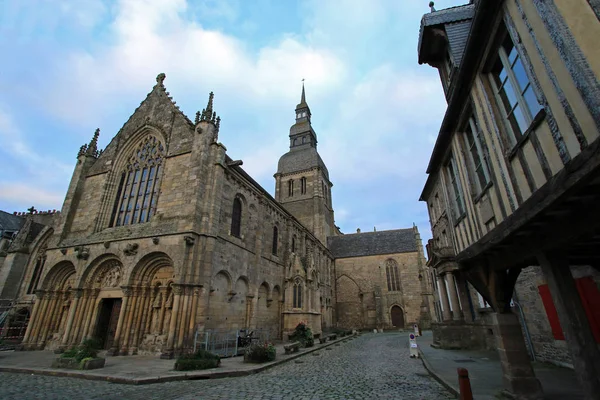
<point x="446" y="315"/>
<point x="573" y="321"/>
<point x="79" y="335"/>
<point x="94" y="306"/>
<point x="456" y="312"/>
<point x="78" y="321"/>
<point x="142" y="313"/>
<point x="193" y="312"/>
<point x="114" y="349"/>
<point x="72" y="310"/>
<point x="163" y="310"/>
<point x="464" y="297"/>
<point x="518" y="376"/>
<point x="49" y="315"/>
<point x="177" y="290"/>
<point x="128" y="321"/>
<point x="181" y="329"/>
<point x="249" y="310"/>
<point x="41" y="320"/>
<point x="34" y="317"/>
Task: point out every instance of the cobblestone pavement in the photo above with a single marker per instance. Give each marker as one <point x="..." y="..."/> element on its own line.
<point x="371" y="366"/>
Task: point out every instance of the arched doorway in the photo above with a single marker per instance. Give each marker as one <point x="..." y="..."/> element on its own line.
<point x="397" y="317"/>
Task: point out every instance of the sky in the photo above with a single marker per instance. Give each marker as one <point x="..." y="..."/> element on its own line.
<point x="69" y="67"/>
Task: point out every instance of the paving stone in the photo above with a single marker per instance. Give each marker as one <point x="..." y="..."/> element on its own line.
<point x="373" y="366"/>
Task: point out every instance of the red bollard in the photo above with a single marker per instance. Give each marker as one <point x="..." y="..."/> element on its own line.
<point x="464" y="384"/>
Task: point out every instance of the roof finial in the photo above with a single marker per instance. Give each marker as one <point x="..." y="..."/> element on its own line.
<point x="208" y="114"/>
<point x="160" y="78"/>
<point x="431" y="5"/>
<point x="303" y="99"/>
<point x="92" y="148"/>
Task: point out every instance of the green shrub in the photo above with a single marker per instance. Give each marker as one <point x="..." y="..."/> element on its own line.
<point x="87" y="349"/>
<point x="260" y="352"/>
<point x="201" y="359"/>
<point x="71" y="353"/>
<point x="303" y="334"/>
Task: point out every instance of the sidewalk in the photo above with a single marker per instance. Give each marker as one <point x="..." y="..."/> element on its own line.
<point x="139" y="370"/>
<point x="485" y="372"/>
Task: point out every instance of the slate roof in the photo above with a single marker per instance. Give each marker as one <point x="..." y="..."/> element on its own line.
<point x="300" y="159"/>
<point x="457" y="33"/>
<point x="373" y="243"/>
<point x="10" y="222"/>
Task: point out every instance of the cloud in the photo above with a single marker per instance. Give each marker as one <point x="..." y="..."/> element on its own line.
<point x="152" y="37"/>
<point x="20" y="193"/>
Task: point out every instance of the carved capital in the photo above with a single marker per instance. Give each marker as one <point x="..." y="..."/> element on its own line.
<point x="127" y="291"/>
<point x="77" y="293"/>
<point x="178" y="289"/>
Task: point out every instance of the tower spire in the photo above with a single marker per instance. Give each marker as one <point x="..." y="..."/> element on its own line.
<point x="303" y="98"/>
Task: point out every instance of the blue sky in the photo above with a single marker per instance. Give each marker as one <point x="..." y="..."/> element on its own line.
<point x="70" y="67"/>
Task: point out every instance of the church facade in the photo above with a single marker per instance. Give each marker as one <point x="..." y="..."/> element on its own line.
<point x="162" y="235"/>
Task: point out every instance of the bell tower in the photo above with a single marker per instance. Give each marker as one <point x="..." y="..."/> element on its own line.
<point x="302" y="182"/>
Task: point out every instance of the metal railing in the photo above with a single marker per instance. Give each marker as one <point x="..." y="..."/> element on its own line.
<point x="228" y="343"/>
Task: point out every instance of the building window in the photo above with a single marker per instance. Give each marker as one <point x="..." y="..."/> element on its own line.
<point x="297" y="294"/>
<point x="513" y="90"/>
<point x="140" y="183"/>
<point x="303" y="185"/>
<point x="236" y="217"/>
<point x="293" y="244"/>
<point x="37" y="273"/>
<point x="455" y="188"/>
<point x="304" y="139"/>
<point x="290" y="187"/>
<point x="393" y="275"/>
<point x="275" y="237"/>
<point x="477" y="157"/>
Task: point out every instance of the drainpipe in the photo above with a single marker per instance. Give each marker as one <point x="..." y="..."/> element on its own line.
<point x="522" y="317"/>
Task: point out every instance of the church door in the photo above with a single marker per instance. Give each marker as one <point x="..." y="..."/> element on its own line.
<point x="107" y="321"/>
<point x="397" y="317"/>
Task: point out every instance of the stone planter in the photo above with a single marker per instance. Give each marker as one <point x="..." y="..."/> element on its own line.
<point x="94" y="363"/>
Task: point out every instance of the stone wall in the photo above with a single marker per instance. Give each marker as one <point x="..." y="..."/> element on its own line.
<point x="363" y="298"/>
<point x="545" y="346"/>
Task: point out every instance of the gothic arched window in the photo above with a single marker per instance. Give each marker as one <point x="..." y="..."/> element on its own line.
<point x="393" y="275"/>
<point x="297" y="294"/>
<point x="236" y="217"/>
<point x="37" y="273"/>
<point x="303" y="185"/>
<point x="275" y="237"/>
<point x="290" y="187"/>
<point x="293" y="244"/>
<point x="140" y="184"/>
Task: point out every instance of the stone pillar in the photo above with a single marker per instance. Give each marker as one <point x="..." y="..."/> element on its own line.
<point x="142" y="313"/>
<point x="41" y="319"/>
<point x="446" y="315"/>
<point x="128" y="321"/>
<point x="573" y="321"/>
<point x="249" y="310"/>
<point x="464" y="296"/>
<point x="72" y="310"/>
<point x="193" y="312"/>
<point x="456" y="312"/>
<point x="518" y="376"/>
<point x="48" y="318"/>
<point x="177" y="290"/>
<point x="163" y="310"/>
<point x="114" y="349"/>
<point x="181" y="330"/>
<point x="35" y="318"/>
<point x="85" y="316"/>
<point x="89" y="326"/>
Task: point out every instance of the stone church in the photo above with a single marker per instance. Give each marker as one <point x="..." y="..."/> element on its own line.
<point x="162" y="234"/>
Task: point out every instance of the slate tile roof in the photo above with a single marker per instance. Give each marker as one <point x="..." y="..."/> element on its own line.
<point x="10" y="222"/>
<point x="373" y="243"/>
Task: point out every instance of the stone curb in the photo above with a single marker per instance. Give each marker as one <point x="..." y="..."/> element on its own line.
<point x="437" y="377"/>
<point x="162" y="379"/>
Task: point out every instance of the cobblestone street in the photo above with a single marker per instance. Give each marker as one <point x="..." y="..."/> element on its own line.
<point x="371" y="366"/>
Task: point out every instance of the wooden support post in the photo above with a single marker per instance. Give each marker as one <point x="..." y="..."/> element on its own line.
<point x="573" y="320"/>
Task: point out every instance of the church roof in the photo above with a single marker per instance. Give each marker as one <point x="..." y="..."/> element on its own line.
<point x="373" y="243"/>
<point x="10" y="222"/>
<point x="301" y="159"/>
